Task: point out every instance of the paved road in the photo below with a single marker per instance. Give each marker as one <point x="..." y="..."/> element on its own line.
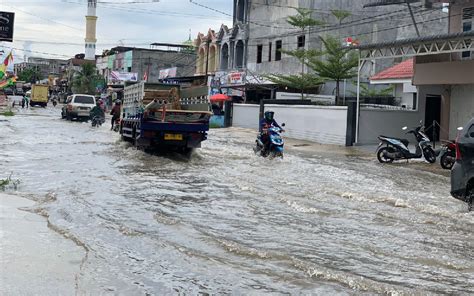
<point x="227" y="222"/>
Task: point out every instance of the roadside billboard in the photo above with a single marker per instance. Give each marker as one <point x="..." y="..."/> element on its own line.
<point x="116" y="76"/>
<point x="6" y="26"/>
<point x="168" y="73"/>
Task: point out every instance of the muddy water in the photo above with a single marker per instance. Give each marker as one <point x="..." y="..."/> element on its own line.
<point x="226" y="222"/>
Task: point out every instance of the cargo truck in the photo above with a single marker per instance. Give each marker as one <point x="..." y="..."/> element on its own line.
<point x="39" y="95"/>
<point x="165" y="116"/>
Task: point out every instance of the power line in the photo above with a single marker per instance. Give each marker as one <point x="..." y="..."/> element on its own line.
<point x="146" y="11"/>
<point x="45" y="19"/>
<point x="295" y="33"/>
<point x="225" y="13"/>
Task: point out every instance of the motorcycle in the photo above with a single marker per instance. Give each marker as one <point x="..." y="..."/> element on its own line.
<point x="448" y="154"/>
<point x="275" y="146"/>
<point x="97" y="121"/>
<point x="391" y="149"/>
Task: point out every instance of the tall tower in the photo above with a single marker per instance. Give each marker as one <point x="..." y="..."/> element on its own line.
<point x="91" y="21"/>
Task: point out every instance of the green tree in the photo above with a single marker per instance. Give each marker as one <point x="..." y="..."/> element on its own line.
<point x="30" y="75"/>
<point x="85" y="80"/>
<point x="303" y="21"/>
<point x="336" y="63"/>
<point x="365" y="91"/>
<point x="340" y="15"/>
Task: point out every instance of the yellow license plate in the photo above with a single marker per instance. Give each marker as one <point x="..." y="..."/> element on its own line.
<point x="173" y="137"/>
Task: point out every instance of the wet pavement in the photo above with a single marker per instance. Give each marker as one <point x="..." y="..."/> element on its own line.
<point x="321" y="221"/>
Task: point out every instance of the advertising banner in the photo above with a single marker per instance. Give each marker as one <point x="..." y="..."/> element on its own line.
<point x="6" y="26"/>
<point x="168" y="73"/>
<point x="123" y="76"/>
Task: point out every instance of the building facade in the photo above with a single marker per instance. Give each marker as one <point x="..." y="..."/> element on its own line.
<point x="45" y="67"/>
<point x="269" y="31"/>
<point x="208" y="53"/>
<point x="145" y="64"/>
<point x="453" y="72"/>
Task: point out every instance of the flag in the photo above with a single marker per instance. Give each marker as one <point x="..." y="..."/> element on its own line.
<point x="7" y="82"/>
<point x="3" y="66"/>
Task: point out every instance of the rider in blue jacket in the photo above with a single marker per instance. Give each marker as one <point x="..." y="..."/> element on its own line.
<point x="267" y="122"/>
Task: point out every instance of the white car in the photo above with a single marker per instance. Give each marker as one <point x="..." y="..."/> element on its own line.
<point x="79" y="106"/>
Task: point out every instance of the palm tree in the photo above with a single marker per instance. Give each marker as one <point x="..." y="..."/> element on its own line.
<point x="85" y="80"/>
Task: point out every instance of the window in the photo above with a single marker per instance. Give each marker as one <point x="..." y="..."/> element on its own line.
<point x="301" y="41"/>
<point x="269" y="51"/>
<point x="84" y="100"/>
<point x="467" y="25"/>
<point x="129" y="69"/>
<point x="470" y="132"/>
<point x="277" y="51"/>
<point x="259" y="53"/>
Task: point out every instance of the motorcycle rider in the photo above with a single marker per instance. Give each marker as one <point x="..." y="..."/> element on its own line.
<point x="267" y="122"/>
<point x="115" y="112"/>
<point x="97" y="111"/>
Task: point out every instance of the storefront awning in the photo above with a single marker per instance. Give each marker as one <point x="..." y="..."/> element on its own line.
<point x="219" y="98"/>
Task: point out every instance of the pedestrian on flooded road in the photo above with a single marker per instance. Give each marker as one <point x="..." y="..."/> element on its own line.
<point x="115" y="112"/>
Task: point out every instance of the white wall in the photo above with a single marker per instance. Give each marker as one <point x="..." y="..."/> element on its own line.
<point x="321" y="124"/>
<point x="245" y="115"/>
<point x="376" y="122"/>
<point x="462" y="107"/>
<point x="405" y="96"/>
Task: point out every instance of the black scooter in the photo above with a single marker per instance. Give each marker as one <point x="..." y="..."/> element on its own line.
<point x="391" y="149"/>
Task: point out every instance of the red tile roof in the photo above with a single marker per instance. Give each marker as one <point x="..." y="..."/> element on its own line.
<point x="404" y="70"/>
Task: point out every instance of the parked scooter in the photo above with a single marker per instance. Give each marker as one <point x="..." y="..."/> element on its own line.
<point x="391" y="149"/>
<point x="275" y="145"/>
<point x="447" y="154"/>
<point x="97" y="121"/>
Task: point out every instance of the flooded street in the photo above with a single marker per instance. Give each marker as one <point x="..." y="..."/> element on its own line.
<point x="228" y="222"/>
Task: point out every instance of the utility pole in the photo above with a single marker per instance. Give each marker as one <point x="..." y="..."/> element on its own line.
<point x="413" y="18"/>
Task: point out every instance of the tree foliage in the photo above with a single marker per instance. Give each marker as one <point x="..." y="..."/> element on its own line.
<point x="337" y="63"/>
<point x="302" y="81"/>
<point x="85" y="80"/>
<point x="367" y="92"/>
<point x="340" y="15"/>
<point x="296" y="81"/>
<point x="303" y="19"/>
<point x="30" y="75"/>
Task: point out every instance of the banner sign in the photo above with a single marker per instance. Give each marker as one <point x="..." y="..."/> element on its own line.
<point x="123" y="76"/>
<point x="6" y="26"/>
<point x="168" y="73"/>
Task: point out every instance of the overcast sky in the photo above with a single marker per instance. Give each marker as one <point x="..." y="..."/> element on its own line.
<point x="56" y="28"/>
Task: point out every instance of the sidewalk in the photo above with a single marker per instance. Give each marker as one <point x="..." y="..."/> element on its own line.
<point x="34" y="260"/>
